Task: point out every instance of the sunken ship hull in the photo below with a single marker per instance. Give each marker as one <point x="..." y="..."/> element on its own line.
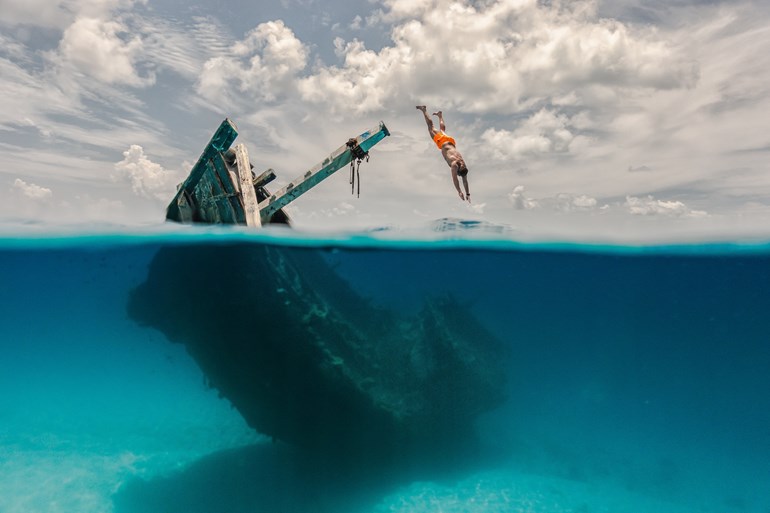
<point x="307" y="361"/>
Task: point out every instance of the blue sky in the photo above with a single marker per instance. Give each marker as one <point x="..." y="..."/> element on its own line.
<point x="611" y="120"/>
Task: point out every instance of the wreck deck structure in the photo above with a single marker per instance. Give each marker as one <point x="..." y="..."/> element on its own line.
<point x="222" y="188"/>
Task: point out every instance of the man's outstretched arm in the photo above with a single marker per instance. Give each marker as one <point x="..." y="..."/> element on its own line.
<point x="456" y="181"/>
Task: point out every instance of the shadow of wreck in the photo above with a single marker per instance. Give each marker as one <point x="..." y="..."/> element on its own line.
<point x="277" y="478"/>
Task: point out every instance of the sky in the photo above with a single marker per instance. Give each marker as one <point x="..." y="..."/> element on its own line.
<point x="577" y="119"/>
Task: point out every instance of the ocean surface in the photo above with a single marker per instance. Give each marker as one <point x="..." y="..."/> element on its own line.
<point x="639" y="379"/>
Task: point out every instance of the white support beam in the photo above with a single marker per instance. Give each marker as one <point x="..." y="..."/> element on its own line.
<point x="246" y="183"/>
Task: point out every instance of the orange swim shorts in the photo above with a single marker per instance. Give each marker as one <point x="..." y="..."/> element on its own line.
<point x="441" y="139"/>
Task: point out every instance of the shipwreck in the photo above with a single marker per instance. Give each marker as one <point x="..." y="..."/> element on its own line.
<point x="223" y="189"/>
<point x="296" y="350"/>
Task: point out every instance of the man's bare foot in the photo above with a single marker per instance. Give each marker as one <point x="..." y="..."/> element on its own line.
<point x="438" y="113"/>
<point x="421" y="107"/>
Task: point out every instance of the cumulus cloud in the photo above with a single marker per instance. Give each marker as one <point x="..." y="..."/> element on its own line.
<point x="357" y="23"/>
<point x="477" y="57"/>
<point x="649" y="206"/>
<point x="103" y="50"/>
<point x="359" y="86"/>
<point x="147" y="178"/>
<point x="262" y="65"/>
<point x="520" y="201"/>
<point x="562" y="202"/>
<point x="571" y="203"/>
<point x="545" y="132"/>
<point x="497" y="56"/>
<point x="575" y="203"/>
<point x="32" y="191"/>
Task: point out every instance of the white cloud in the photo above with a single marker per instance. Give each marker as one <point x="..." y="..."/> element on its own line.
<point x="649" y="206"/>
<point x="398" y="10"/>
<point x="103" y="50"/>
<point x="520" y="201"/>
<point x="562" y="202"/>
<point x="357" y="87"/>
<point x="263" y="66"/>
<point x="476" y="208"/>
<point x="572" y="203"/>
<point x="56" y="91"/>
<point x="497" y="55"/>
<point x="32" y="191"/>
<point x="544" y="133"/>
<point x="147" y="178"/>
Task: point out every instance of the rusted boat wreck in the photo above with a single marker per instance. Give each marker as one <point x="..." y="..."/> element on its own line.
<point x="223" y="189"/>
<point x="301" y="355"/>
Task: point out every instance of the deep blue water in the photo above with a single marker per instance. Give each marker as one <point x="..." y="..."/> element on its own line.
<point x="639" y="381"/>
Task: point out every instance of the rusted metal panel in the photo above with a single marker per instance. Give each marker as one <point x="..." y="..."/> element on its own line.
<point x="220" y="142"/>
<point x="230" y="199"/>
<point x="213" y="198"/>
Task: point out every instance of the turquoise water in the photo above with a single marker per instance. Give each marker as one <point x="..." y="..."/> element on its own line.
<point x="638" y="380"/>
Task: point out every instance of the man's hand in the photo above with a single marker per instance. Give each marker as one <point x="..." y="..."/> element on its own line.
<point x="461" y="196"/>
<point x="468" y="197"/>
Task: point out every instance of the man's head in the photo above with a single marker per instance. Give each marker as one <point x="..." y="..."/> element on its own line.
<point x="462" y="169"/>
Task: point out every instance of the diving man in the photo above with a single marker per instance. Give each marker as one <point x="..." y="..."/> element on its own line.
<point x="448" y="149"/>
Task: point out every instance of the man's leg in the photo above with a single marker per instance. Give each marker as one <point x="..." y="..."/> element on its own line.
<point x="441" y="123"/>
<point x="428" y="121"/>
